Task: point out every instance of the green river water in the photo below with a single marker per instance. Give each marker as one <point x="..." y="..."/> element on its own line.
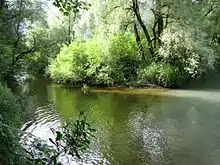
<point x="173" y="127"/>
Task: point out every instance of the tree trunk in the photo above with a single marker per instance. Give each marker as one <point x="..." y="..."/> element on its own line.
<point x="69" y="30"/>
<point x="138" y="40"/>
<point x="135" y="8"/>
<point x="155" y="34"/>
<point x="159" y="21"/>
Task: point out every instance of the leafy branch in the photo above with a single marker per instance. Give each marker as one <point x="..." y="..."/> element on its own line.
<point x="73" y="139"/>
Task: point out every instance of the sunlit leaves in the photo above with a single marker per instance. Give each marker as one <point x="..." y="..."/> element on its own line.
<point x="187" y="48"/>
<point x="94" y="62"/>
<point x="161" y="73"/>
<point x="70" y="64"/>
<point x="66" y="6"/>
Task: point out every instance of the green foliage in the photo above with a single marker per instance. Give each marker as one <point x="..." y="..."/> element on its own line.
<point x="71" y="140"/>
<point x="78" y="63"/>
<point x="10" y="149"/>
<point x="70" y="64"/>
<point x="11" y="152"/>
<point x="15" y="21"/>
<point x="93" y="62"/>
<point x="10" y="108"/>
<point x="187" y="49"/>
<point x="48" y="44"/>
<point x="75" y="136"/>
<point x="97" y="53"/>
<point x="124" y="58"/>
<point x="36" y="64"/>
<point x="183" y="35"/>
<point x="66" y="6"/>
<point x="161" y="73"/>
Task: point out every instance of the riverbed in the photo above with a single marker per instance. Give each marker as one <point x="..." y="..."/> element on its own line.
<point x="163" y="127"/>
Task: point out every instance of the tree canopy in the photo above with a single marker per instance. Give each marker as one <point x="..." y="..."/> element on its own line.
<point x="184" y="35"/>
<point x="99" y="43"/>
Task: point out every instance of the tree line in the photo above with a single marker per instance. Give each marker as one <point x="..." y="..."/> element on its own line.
<point x="171" y="41"/>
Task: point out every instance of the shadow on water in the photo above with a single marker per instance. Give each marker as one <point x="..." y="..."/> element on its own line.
<point x="174" y="127"/>
<point x="207" y="82"/>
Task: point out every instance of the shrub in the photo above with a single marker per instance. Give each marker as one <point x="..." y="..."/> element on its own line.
<point x="10" y="149"/>
<point x="11" y="152"/>
<point x="161" y="74"/>
<point x="78" y="63"/>
<point x="124" y="58"/>
<point x="187" y="49"/>
<point x="70" y="64"/>
<point x="10" y="108"/>
<point x="105" y="74"/>
<point x="93" y="62"/>
<point x="97" y="53"/>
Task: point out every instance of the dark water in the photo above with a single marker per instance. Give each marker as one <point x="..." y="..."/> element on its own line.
<point x="177" y="127"/>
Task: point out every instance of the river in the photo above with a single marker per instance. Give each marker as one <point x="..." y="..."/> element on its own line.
<point x="174" y="127"/>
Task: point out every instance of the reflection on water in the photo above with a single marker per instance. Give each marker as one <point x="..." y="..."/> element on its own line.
<point x="45" y="119"/>
<point x="178" y="127"/>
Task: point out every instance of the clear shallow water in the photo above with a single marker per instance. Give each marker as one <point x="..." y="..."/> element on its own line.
<point x="176" y="127"/>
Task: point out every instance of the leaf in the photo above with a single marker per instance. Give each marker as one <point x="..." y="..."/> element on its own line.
<point x="65" y="13"/>
<point x="59" y="136"/>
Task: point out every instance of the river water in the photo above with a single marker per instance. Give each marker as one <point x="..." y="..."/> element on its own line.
<point x="174" y="127"/>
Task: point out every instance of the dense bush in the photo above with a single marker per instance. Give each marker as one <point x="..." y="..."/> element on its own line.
<point x="97" y="58"/>
<point x="183" y="55"/>
<point x="70" y="64"/>
<point x="78" y="63"/>
<point x="119" y="63"/>
<point x="10" y="108"/>
<point x="11" y="152"/>
<point x="122" y="61"/>
<point x="124" y="58"/>
<point x="10" y="149"/>
<point x="187" y="49"/>
<point x="93" y="62"/>
<point x="4" y="60"/>
<point x="162" y="74"/>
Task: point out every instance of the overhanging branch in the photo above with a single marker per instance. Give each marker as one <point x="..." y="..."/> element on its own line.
<point x="209" y="11"/>
<point x="22" y="54"/>
<point x="110" y="11"/>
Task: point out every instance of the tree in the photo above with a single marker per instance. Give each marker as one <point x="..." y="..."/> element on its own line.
<point x="16" y="20"/>
<point x="66" y="6"/>
<point x="71" y="9"/>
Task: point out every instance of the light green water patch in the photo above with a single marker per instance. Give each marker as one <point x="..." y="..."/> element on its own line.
<point x="206" y="95"/>
<point x="131" y="91"/>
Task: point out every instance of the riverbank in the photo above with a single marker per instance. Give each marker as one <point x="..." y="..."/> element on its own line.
<point x="147" y="89"/>
<point x="130" y="91"/>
